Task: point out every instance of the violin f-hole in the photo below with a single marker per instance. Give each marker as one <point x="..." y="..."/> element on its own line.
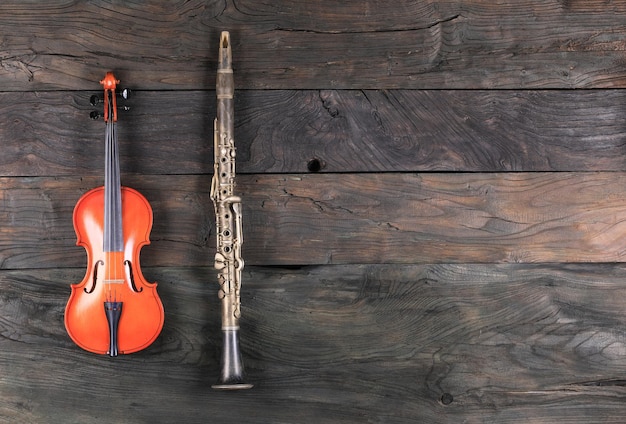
<point x="131" y="277"/>
<point x="95" y="277"/>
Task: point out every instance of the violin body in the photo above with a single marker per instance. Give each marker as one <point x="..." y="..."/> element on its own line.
<point x="113" y="277"/>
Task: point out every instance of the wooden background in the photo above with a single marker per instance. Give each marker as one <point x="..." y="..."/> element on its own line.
<point x="434" y="208"/>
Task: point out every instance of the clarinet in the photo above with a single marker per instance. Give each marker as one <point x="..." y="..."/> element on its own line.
<point x="228" y="261"/>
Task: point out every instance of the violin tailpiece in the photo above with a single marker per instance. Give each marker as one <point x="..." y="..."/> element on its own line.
<point x="113" y="312"/>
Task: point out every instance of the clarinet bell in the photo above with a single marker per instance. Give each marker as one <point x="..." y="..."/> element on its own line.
<point x="232" y="376"/>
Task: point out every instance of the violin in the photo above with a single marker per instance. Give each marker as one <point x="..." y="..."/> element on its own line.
<point x="113" y="310"/>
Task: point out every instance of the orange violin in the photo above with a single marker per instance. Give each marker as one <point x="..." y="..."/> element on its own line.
<point x="114" y="310"/>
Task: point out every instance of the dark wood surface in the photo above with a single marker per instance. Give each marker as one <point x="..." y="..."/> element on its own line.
<point x="302" y="219"/>
<point x="349" y="344"/>
<point x="434" y="198"/>
<point x="278" y="131"/>
<point x="405" y="44"/>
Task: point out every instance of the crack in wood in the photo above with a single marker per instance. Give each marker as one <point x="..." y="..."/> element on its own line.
<point x="372" y="31"/>
<point x="602" y="383"/>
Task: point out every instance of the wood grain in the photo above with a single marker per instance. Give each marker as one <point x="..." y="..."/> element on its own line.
<point x="170" y="132"/>
<point x="499" y="343"/>
<point x="318" y="45"/>
<point x="297" y="219"/>
<point x="424" y="218"/>
<point x="455" y="257"/>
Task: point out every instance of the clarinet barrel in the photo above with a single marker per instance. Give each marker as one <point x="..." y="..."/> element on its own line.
<point x="229" y="234"/>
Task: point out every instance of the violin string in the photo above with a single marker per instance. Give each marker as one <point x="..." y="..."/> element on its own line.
<point x="111" y="126"/>
<point x="113" y="172"/>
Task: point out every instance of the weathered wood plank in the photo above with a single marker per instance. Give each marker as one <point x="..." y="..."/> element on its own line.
<point x="407" y="44"/>
<point x="165" y="132"/>
<point x="51" y="133"/>
<point x="342" y="218"/>
<point x="350" y="344"/>
<point x="424" y="218"/>
<point x="37" y="215"/>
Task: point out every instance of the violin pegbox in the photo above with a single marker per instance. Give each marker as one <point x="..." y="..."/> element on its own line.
<point x="109" y="83"/>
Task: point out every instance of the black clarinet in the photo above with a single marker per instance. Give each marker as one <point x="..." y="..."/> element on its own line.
<point x="228" y="259"/>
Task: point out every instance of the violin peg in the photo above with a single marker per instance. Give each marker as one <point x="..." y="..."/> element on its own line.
<point x="95" y="100"/>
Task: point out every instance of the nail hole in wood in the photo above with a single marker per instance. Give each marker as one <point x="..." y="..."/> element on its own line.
<point x="315" y="165"/>
<point x="447" y="398"/>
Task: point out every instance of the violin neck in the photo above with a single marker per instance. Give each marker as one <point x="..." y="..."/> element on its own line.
<point x="113" y="237"/>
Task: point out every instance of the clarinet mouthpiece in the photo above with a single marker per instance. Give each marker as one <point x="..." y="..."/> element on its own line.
<point x="225" y="52"/>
